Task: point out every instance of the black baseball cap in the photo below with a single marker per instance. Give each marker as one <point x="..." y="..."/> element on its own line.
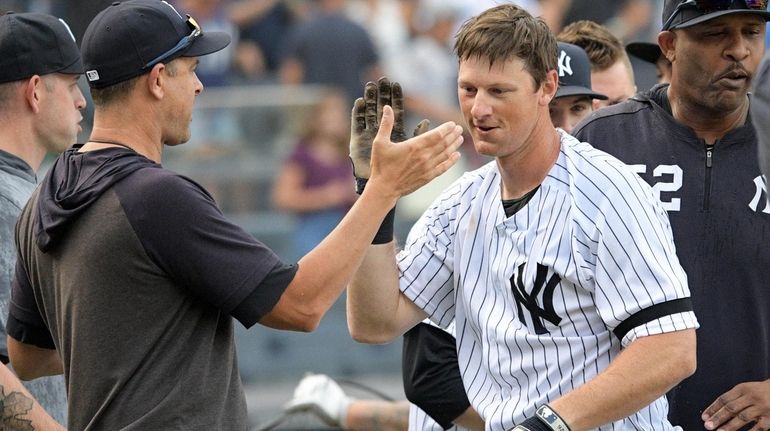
<point x="649" y="52"/>
<point x="36" y="44"/>
<point x="574" y="72"/>
<point x="127" y="38"/>
<point x="694" y="12"/>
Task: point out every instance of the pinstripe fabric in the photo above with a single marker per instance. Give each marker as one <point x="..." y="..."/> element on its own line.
<point x="591" y="248"/>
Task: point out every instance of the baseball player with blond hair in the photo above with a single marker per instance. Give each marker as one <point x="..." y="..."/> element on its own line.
<point x="555" y="260"/>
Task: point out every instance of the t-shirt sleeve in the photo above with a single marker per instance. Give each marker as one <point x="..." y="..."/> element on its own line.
<point x="25" y="323"/>
<point x="431" y="374"/>
<point x="640" y="287"/>
<point x="187" y="236"/>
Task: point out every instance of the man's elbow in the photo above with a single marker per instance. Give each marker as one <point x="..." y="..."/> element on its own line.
<point x="683" y="357"/>
<point x="369" y="334"/>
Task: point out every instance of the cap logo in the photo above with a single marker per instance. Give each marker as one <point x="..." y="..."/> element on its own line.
<point x="92" y="75"/>
<point x="172" y="8"/>
<point x="565" y="64"/>
<point x="68" y="29"/>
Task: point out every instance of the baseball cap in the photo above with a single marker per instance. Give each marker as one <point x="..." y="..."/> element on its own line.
<point x="649" y="52"/>
<point x="574" y="72"/>
<point x="36" y="44"/>
<point x="686" y="13"/>
<point x="127" y="38"/>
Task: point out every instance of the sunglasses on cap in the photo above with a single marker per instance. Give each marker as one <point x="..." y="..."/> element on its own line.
<point x="181" y="45"/>
<point x="710" y="6"/>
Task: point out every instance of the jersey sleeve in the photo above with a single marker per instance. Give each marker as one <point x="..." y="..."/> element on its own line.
<point x="426" y="264"/>
<point x="640" y="286"/>
<point x="187" y="236"/>
<point x="25" y="323"/>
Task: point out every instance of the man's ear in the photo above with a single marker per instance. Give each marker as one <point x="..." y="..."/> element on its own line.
<point x="549" y="85"/>
<point x="156" y="81"/>
<point x="33" y="92"/>
<point x="667" y="43"/>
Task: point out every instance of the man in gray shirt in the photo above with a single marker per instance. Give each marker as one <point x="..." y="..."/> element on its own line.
<point x="40" y="105"/>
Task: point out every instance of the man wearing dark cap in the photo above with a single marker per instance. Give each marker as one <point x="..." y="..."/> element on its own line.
<point x="40" y="105"/>
<point x="651" y="53"/>
<point x="574" y="98"/>
<point x="694" y="142"/>
<point x="129" y="275"/>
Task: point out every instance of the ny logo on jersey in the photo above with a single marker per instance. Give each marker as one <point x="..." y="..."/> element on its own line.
<point x="529" y="300"/>
<point x="760" y="184"/>
<point x="565" y="64"/>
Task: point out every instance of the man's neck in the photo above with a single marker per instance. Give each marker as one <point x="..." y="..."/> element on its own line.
<point x="708" y="124"/>
<point x="523" y="172"/>
<point x="131" y="133"/>
<point x="18" y="139"/>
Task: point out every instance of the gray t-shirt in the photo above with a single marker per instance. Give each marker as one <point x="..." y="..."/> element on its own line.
<point x="137" y="289"/>
<point x="17" y="182"/>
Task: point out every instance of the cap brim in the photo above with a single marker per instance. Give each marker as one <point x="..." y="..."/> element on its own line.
<point x="574" y="90"/>
<point x="649" y="52"/>
<point x="207" y="43"/>
<point x="708" y="17"/>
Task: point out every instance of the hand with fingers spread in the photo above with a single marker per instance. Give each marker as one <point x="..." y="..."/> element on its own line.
<point x="745" y="403"/>
<point x="401" y="168"/>
<point x="365" y="123"/>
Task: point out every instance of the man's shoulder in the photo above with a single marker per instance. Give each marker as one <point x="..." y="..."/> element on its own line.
<point x="157" y="185"/>
<point x="611" y="116"/>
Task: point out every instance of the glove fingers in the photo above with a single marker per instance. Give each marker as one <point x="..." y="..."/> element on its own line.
<point x="383" y="95"/>
<point x="358" y="122"/>
<point x="397" y="102"/>
<point x="370" y="103"/>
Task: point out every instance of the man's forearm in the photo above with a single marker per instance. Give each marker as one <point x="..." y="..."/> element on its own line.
<point x="643" y="372"/>
<point x="20" y="412"/>
<point x="377" y="311"/>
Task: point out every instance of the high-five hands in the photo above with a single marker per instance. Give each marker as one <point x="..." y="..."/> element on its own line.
<point x="379" y="148"/>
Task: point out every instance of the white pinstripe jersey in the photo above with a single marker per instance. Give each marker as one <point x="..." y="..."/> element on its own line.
<point x="536" y="296"/>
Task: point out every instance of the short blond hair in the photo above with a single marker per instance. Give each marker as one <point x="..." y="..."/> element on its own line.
<point x="604" y="49"/>
<point x="507" y="31"/>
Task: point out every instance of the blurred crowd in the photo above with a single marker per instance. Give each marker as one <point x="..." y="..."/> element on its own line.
<point x="345" y="42"/>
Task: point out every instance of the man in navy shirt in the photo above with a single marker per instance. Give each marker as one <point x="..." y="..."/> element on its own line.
<point x="693" y="141"/>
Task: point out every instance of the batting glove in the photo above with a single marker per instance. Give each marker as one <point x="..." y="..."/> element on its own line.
<point x="318" y="394"/>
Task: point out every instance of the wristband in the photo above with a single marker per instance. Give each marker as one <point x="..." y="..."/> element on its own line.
<point x="545" y="419"/>
<point x="384" y="234"/>
<point x="360" y="184"/>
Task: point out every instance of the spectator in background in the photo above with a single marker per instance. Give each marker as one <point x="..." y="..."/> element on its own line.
<point x="426" y="68"/>
<point x="263" y="26"/>
<point x="213" y="70"/>
<point x="611" y="71"/>
<point x="573" y="100"/>
<point x="314" y="182"/>
<point x="626" y="19"/>
<point x="331" y="49"/>
<point x="390" y="23"/>
<point x="651" y="53"/>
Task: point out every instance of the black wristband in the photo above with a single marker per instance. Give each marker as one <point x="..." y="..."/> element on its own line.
<point x="360" y="184"/>
<point x="545" y="419"/>
<point x="384" y="234"/>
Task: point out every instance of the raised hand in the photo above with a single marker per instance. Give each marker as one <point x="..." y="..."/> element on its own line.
<point x="365" y="121"/>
